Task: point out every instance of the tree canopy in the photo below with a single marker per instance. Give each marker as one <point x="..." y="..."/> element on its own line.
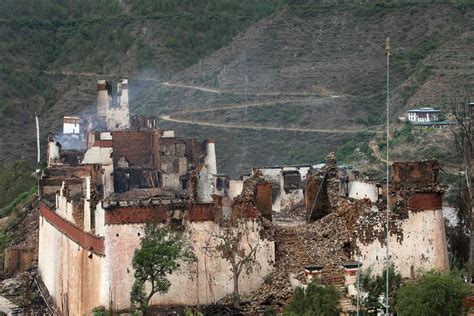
<point x="316" y="300"/>
<point x="161" y="252"/>
<point x="434" y="293"/>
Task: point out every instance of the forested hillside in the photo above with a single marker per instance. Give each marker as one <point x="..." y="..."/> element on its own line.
<point x="54" y="51"/>
<point x="317" y="65"/>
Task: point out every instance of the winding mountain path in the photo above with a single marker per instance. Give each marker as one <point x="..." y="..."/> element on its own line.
<point x="376" y="151"/>
<point x="172" y="118"/>
<point x="227" y="91"/>
<point x="259" y="128"/>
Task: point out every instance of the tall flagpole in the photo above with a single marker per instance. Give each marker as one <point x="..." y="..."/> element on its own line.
<point x="38" y="138"/>
<point x="38" y="159"/>
<point x="387" y="263"/>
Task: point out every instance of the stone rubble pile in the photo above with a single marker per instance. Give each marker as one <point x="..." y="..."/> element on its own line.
<point x="28" y="293"/>
<point x="371" y="226"/>
<point x="249" y="188"/>
<point x="328" y="242"/>
<point x="23" y="233"/>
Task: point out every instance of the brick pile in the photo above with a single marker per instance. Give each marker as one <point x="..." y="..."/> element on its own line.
<point x="327" y="242"/>
<point x="244" y="204"/>
<point x="371" y="226"/>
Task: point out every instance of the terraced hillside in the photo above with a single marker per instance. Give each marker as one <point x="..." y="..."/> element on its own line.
<point x="341" y="51"/>
<point x="304" y="54"/>
<point x="322" y="64"/>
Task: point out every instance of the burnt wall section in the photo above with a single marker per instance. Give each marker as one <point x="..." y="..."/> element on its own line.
<point x="53" y="178"/>
<point x="143" y="122"/>
<point x="221" y="185"/>
<point x="112" y="105"/>
<point x="128" y="215"/>
<point x="263" y="199"/>
<point x="85" y="240"/>
<point x="316" y="196"/>
<point x="179" y="158"/>
<point x="415" y="186"/>
<point x="136" y="158"/>
<point x="323" y="190"/>
<point x="140" y="148"/>
<point x="415" y="174"/>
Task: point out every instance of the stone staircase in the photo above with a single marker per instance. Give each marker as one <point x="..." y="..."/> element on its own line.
<point x="345" y="304"/>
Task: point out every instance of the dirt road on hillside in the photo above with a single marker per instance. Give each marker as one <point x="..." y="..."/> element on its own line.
<point x="260" y="128"/>
<point x="169" y="118"/>
<point x="267" y="93"/>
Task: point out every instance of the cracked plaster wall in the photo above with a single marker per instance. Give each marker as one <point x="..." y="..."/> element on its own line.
<point x="423" y="246"/>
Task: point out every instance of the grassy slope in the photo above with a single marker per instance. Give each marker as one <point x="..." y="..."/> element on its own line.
<point x="337" y="50"/>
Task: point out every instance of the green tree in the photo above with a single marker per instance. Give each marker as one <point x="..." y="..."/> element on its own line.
<point x="434" y="293"/>
<point x="161" y="252"/>
<point x="374" y="286"/>
<point x="316" y="300"/>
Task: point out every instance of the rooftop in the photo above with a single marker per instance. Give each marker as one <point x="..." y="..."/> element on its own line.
<point x="424" y="110"/>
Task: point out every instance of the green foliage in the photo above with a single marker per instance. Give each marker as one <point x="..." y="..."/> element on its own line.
<point x="417" y="54"/>
<point x="16" y="184"/>
<point x="20" y="200"/>
<point x="189" y="311"/>
<point x="375" y="286"/>
<point x="316" y="300"/>
<point x="405" y="135"/>
<point x="193" y="29"/>
<point x="161" y="252"/>
<point x="356" y="149"/>
<point x="434" y="293"/>
<point x="101" y="311"/>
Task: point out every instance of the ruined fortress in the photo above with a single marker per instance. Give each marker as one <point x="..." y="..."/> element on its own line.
<point x="125" y="172"/>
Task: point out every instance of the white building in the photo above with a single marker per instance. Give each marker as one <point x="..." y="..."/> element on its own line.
<point x="423" y="115"/>
<point x="71" y="125"/>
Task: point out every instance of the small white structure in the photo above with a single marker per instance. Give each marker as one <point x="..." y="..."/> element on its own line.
<point x="360" y="189"/>
<point x="71" y="125"/>
<point x="426" y="114"/>
<point x="287" y="185"/>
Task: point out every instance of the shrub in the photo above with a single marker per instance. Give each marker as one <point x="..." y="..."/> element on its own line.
<point x="434" y="293"/>
<point x="316" y="300"/>
<point x="375" y="286"/>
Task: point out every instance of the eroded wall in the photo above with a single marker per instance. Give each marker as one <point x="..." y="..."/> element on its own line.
<point x="203" y="282"/>
<point x="84" y="270"/>
<point x="72" y="274"/>
<point x="423" y="245"/>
